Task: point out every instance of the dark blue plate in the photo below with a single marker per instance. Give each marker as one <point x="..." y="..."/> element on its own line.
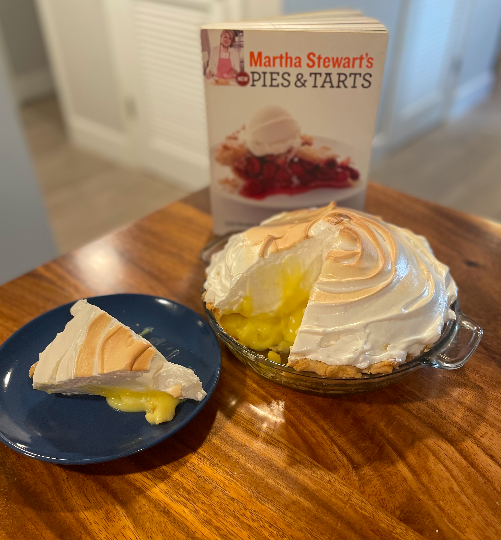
<point x="84" y="429"/>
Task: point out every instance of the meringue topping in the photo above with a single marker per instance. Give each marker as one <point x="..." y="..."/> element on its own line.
<point x="375" y="290"/>
<point x="96" y="354"/>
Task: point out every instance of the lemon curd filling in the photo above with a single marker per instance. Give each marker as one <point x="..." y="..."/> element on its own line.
<point x="158" y="406"/>
<point x="275" y="330"/>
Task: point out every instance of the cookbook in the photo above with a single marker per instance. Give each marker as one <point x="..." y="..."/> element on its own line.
<point x="291" y="109"/>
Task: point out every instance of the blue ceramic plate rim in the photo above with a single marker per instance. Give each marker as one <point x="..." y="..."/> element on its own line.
<point x="164" y="430"/>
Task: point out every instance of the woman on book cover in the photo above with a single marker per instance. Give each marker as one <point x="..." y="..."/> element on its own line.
<point x="224" y="61"/>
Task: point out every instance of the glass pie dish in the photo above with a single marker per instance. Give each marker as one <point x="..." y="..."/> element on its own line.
<point x="455" y="346"/>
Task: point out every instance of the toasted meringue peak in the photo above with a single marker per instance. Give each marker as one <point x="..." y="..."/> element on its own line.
<point x="95" y="350"/>
<point x="376" y="291"/>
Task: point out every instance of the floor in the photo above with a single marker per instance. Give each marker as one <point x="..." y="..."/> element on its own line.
<point x="85" y="195"/>
<point x="457" y="165"/>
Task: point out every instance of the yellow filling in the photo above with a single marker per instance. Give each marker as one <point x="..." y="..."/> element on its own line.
<point x="276" y="330"/>
<point x="274" y="357"/>
<point x="158" y="406"/>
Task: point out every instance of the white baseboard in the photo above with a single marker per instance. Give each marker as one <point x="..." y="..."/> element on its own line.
<point x="379" y="150"/>
<point x="115" y="146"/>
<point x="188" y="172"/>
<point x="34" y="85"/>
<point x="108" y="143"/>
<point x="470" y="94"/>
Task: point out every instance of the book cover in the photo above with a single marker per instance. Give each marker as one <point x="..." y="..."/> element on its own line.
<point x="291" y="110"/>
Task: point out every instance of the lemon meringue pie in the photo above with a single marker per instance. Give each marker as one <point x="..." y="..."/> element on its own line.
<point x="96" y="354"/>
<point x="331" y="290"/>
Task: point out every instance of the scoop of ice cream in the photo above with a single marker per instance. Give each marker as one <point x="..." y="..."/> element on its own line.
<point x="272" y="130"/>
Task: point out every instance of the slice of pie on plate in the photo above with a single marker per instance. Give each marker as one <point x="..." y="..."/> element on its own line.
<point x="96" y="354"/>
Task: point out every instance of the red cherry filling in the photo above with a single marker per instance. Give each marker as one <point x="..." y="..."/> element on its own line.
<point x="269" y="171"/>
<point x="253" y="188"/>
<point x="252" y="166"/>
<point x="264" y="176"/>
<point x="283" y="177"/>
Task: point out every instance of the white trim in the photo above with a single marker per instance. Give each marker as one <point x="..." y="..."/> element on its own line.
<point x="184" y="169"/>
<point x="203" y="5"/>
<point x="379" y="149"/>
<point x="201" y="161"/>
<point x="33" y="85"/>
<point x="119" y="18"/>
<point x="259" y="9"/>
<point x="107" y="142"/>
<point x="50" y="33"/>
<point x="471" y="93"/>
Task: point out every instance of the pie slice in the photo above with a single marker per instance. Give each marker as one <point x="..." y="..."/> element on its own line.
<point x="96" y="354"/>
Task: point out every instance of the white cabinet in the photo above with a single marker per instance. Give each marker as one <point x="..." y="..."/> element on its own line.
<point x="158" y="59"/>
<point x="426" y="71"/>
<point x="130" y="79"/>
<point x="79" y="45"/>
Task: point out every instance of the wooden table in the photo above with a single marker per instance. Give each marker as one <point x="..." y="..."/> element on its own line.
<point x="418" y="459"/>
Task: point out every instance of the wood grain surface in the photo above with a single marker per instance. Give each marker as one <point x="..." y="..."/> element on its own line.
<point x="417" y="459"/>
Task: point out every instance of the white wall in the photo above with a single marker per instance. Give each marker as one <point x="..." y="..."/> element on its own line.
<point x="25" y="49"/>
<point x="25" y="238"/>
<point x="85" y="53"/>
<point x="261" y="9"/>
<point x="477" y="74"/>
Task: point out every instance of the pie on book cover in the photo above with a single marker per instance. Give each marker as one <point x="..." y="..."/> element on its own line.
<point x="291" y="116"/>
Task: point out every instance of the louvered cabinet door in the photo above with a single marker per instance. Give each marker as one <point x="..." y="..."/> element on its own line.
<point x="157" y="45"/>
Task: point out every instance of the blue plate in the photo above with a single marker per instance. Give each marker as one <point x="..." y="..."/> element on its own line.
<point x="84" y="429"/>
